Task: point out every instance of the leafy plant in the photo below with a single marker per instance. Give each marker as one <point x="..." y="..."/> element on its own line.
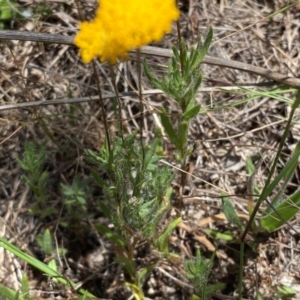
<point x="75" y="197"/>
<point x="46" y="244"/>
<point x="37" y="264"/>
<point x="10" y="11"/>
<point x="22" y="294"/>
<point x="137" y="193"/>
<point x="285" y="292"/>
<point x="280" y="209"/>
<point x="181" y="83"/>
<point x="36" y="179"/>
<point x="40" y="9"/>
<point x="198" y="271"/>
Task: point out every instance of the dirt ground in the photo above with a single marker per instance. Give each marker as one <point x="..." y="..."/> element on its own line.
<point x="227" y="132"/>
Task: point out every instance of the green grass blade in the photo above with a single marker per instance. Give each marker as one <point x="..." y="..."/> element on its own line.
<point x="282" y="10"/>
<point x="287" y="209"/>
<point x="270" y="186"/>
<point x="282" y="174"/>
<point x="37" y="264"/>
<point x="287" y="178"/>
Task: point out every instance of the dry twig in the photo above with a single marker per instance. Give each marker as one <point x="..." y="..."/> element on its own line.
<point x="61" y="39"/>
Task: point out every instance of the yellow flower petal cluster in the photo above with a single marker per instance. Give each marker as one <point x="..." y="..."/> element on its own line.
<point x="121" y="25"/>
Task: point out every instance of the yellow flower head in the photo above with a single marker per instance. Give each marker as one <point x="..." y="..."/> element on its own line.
<point x="120" y="26"/>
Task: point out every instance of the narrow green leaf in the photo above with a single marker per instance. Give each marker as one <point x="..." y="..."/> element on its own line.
<point x="192" y="112"/>
<point x="196" y="83"/>
<point x="83" y="297"/>
<point x="259" y="297"/>
<point x="200" y="54"/>
<point x="129" y="140"/>
<point x="105" y="209"/>
<point x="143" y="272"/>
<point x="286" y="291"/>
<point x="213" y="288"/>
<point x="287" y="178"/>
<point x="182" y="134"/>
<point x="52" y="264"/>
<point x="137" y="293"/>
<point x="226" y="236"/>
<point x="230" y="212"/>
<point x="281" y="175"/>
<point x="249" y="166"/>
<point x="175" y="53"/>
<point x="37" y="264"/>
<point x="250" y="170"/>
<point x="7" y="293"/>
<point x="184" y="53"/>
<point x="6" y="12"/>
<point x="150" y="77"/>
<point x="150" y="152"/>
<point x="128" y="263"/>
<point x="169" y="193"/>
<point x="25" y="287"/>
<point x="287" y="209"/>
<point x="47" y="243"/>
<point x="99" y="180"/>
<point x="297" y="101"/>
<point x="163" y="240"/>
<point x="170" y="130"/>
<point x="194" y="297"/>
<point x="290" y="172"/>
<point x="282" y="10"/>
<point x="17" y="296"/>
<point x="110" y="235"/>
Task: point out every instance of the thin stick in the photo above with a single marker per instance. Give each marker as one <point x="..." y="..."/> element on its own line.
<point x="217" y="61"/>
<point x="25" y="105"/>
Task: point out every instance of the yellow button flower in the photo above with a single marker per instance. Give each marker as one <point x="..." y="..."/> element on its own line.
<point x="119" y="26"/>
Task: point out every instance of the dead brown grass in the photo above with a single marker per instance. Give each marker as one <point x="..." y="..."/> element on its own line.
<point x="32" y="71"/>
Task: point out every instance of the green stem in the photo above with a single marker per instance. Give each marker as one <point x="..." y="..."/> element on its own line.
<point x="139" y="71"/>
<point x="102" y="106"/>
<point x="241" y="270"/>
<point x="180" y="45"/>
<point x="113" y="78"/>
<point x="265" y="189"/>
